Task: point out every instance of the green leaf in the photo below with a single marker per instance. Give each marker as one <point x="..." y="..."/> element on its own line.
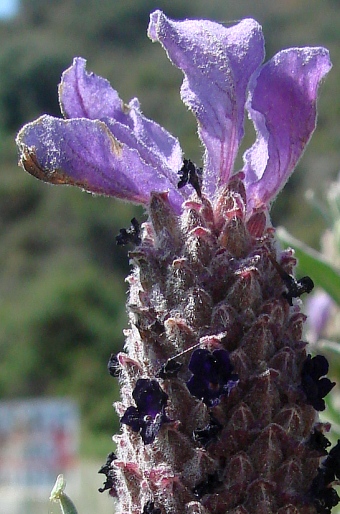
<point x="314" y="264"/>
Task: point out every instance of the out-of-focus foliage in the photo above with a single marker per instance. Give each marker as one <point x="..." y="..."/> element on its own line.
<point x="62" y="301"/>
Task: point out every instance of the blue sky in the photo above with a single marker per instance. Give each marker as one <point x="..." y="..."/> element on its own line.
<point x="8" y="8"/>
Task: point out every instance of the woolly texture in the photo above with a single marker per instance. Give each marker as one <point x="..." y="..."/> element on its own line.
<point x="206" y="277"/>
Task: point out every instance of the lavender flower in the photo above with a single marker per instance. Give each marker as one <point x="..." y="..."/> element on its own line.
<point x="149" y="415"/>
<point x="212" y="375"/>
<point x="206" y="271"/>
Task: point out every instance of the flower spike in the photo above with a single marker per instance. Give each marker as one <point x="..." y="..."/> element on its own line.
<point x="214" y="350"/>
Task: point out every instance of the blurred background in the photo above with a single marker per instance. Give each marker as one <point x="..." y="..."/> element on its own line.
<point x="62" y="289"/>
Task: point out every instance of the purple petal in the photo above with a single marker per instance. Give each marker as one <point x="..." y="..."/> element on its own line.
<point x="149" y="397"/>
<point x="155" y="145"/>
<point x="132" y="417"/>
<point x="86" y="95"/>
<point x="85" y="153"/>
<point x="217" y="63"/>
<point x="283" y="109"/>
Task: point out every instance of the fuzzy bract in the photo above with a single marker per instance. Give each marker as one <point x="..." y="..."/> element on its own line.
<point x="105" y="146"/>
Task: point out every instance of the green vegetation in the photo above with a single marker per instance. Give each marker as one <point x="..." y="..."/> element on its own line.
<point x="62" y="301"/>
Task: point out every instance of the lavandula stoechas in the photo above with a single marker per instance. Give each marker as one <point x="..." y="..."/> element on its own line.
<point x="219" y="397"/>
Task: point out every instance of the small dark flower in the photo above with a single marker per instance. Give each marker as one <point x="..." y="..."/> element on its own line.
<point x="324" y="495"/>
<point x="207" y="486"/>
<point x="190" y="174"/>
<point x="333" y="460"/>
<point x="295" y="288"/>
<point x="318" y="441"/>
<point x="212" y="375"/>
<point x="208" y="434"/>
<point x="169" y="369"/>
<point x="129" y="235"/>
<point x="149" y="415"/>
<point x="315" y="387"/>
<point x="107" y="470"/>
<point x="149" y="508"/>
<point x="172" y="366"/>
<point x="113" y="365"/>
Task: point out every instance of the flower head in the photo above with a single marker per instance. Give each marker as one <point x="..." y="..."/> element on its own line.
<point x="206" y="273"/>
<point x="105" y="146"/>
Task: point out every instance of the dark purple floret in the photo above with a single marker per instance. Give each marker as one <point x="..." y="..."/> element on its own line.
<point x="318" y="441"/>
<point x="169" y="369"/>
<point x="113" y="365"/>
<point x="190" y="174"/>
<point x="149" y="508"/>
<point x="107" y="470"/>
<point x="149" y="415"/>
<point x="209" y="433"/>
<point x="315" y="387"/>
<point x="333" y="460"/>
<point x="212" y="375"/>
<point x="324" y="495"/>
<point x="129" y="235"/>
<point x="294" y="288"/>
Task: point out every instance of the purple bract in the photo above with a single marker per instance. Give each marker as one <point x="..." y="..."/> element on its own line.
<point x="105" y="146"/>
